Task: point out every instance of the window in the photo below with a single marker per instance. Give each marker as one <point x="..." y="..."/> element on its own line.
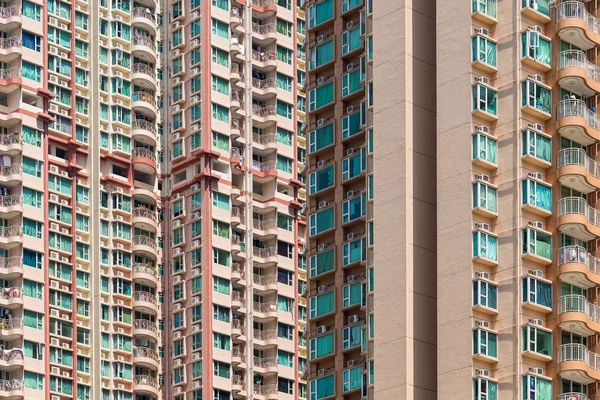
<point x="540" y="6"/>
<point x="33" y="259"/>
<point x="322" y="304"/>
<point x="352" y="336"/>
<point x="352" y="379"/>
<point x="537" y="95"/>
<point x="321" y="221"/>
<point x="220" y="29"/>
<point x="32" y="319"/>
<point x="285" y="304"/>
<point x="285" y="385"/>
<point x="538" y="145"/>
<point x="220" y="200"/>
<point x="320" y="54"/>
<point x="485" y="389"/>
<point x="537" y="340"/>
<point x="354" y="208"/>
<point x="285" y="358"/>
<point x="485" y="294"/>
<point x="220" y="113"/>
<point x="536" y="47"/>
<point x="485" y="148"/>
<point x="535" y="387"/>
<point x="537" y="243"/>
<point x="221" y="341"/>
<point x="484" y="50"/>
<point x="31" y="71"/>
<point x="320" y="13"/>
<point x="354" y="165"/>
<point x="222" y="369"/>
<point x="284" y="82"/>
<point x="537" y="291"/>
<point x="485" y="343"/>
<point x="285" y="331"/>
<point x="321" y="346"/>
<point x="485" y="246"/>
<point x="34" y="167"/>
<point x="284" y="27"/>
<point x="352" y="294"/>
<point x="485" y="197"/>
<point x="221" y="228"/>
<point x="285" y="222"/>
<point x="33" y="289"/>
<point x="220" y="313"/>
<point x="322" y="262"/>
<point x="485" y="99"/>
<point x="537" y="194"/>
<point x="284" y="164"/>
<point x="351" y="40"/>
<point x="321" y="138"/>
<point x="220" y="57"/>
<point x="220" y="85"/>
<point x="351" y="82"/>
<point x="221" y="285"/>
<point x="220" y="141"/>
<point x="34" y="42"/>
<point x="32" y="197"/>
<point x="352" y="123"/>
<point x="33" y="350"/>
<point x="219" y="394"/>
<point x="32" y="10"/>
<point x="321" y="179"/>
<point x="34" y="381"/>
<point x="284" y="109"/>
<point x="487" y="7"/>
<point x="32" y="228"/>
<point x="321" y="96"/>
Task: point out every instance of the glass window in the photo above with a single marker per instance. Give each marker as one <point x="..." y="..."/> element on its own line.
<point x="485" y="148"/>
<point x="537" y="340"/>
<point x="322" y="304"/>
<point x="321" y="221"/>
<point x="537" y="194"/>
<point x="485" y="343"/>
<point x="537" y="291"/>
<point x="321" y="96"/>
<point x="536" y="47"/>
<point x="485" y="197"/>
<point x="320" y="13"/>
<point x="485" y="245"/>
<point x="485" y="294"/>
<point x="485" y="99"/>
<point x="536" y="95"/>
<point x="484" y="50"/>
<point x="537" y="145"/>
<point x="537" y="243"/>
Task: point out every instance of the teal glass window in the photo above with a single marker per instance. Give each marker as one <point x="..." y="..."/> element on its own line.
<point x="485" y="197"/>
<point x="352" y="123"/>
<point x="352" y="294"/>
<point x="485" y="245"/>
<point x="537" y="47"/>
<point x="537" y="340"/>
<point x="536" y="95"/>
<point x="352" y="379"/>
<point x="485" y="389"/>
<point x="485" y="343"/>
<point x="354" y="251"/>
<point x="352" y="336"/>
<point x="354" y="208"/>
<point x="485" y="294"/>
<point x="322" y="304"/>
<point x="320" y="13"/>
<point x="322" y="388"/>
<point x="321" y="54"/>
<point x="354" y="165"/>
<point x="537" y="291"/>
<point x="487" y="7"/>
<point x="535" y="387"/>
<point x="351" y="82"/>
<point x="484" y="50"/>
<point x="537" y="243"/>
<point x="321" y="137"/>
<point x="485" y="99"/>
<point x="322" y="262"/>
<point x="541" y="6"/>
<point x="321" y="221"/>
<point x="485" y="148"/>
<point x="537" y="145"/>
<point x="321" y="179"/>
<point x="351" y="40"/>
<point x="321" y="346"/>
<point x="537" y="194"/>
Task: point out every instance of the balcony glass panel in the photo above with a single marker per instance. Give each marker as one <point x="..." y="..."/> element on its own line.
<point x="485" y="343"/>
<point x="321" y="54"/>
<point x="536" y="47"/>
<point x="320" y="138"/>
<point x="322" y="304"/>
<point x="321" y="346"/>
<point x="484" y="50"/>
<point x="485" y="294"/>
<point x="536" y="291"/>
<point x="537" y="243"/>
<point x="537" y="96"/>
<point x="485" y="99"/>
<point x="537" y="145"/>
<point x="321" y="179"/>
<point x="354" y="208"/>
<point x="485" y="246"/>
<point x="322" y="221"/>
<point x="355" y="251"/>
<point x="537" y="340"/>
<point x="351" y="294"/>
<point x="319" y="13"/>
<point x="537" y="194"/>
<point x="485" y="197"/>
<point x="487" y="7"/>
<point x="322" y="388"/>
<point x="321" y="96"/>
<point x="322" y="263"/>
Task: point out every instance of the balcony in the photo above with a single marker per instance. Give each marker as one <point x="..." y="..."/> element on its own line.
<point x="238" y="329"/>
<point x="577" y="363"/>
<point x="265" y="337"/>
<point x="265" y="255"/>
<point x="575" y="121"/>
<point x="144" y="131"/>
<point x="11" y="389"/>
<point x="263" y="115"/>
<point x="145" y="357"/>
<point x="11" y="297"/>
<point x="11" y="175"/>
<point x="145" y="103"/>
<point x="575" y="25"/>
<point x="264" y="34"/>
<point x="144" y="218"/>
<point x="145" y="302"/>
<point x="238" y="383"/>
<point x="578" y="171"/>
<point x="144" y="48"/>
<point x="11" y="143"/>
<point x="10" y="48"/>
<point x="577" y="74"/>
<point x="264" y="88"/>
<point x="11" y="267"/>
<point x="576" y="314"/>
<point x="144" y="327"/>
<point x="269" y="392"/>
<point x="265" y="7"/>
<point x="145" y="245"/>
<point x="237" y="216"/>
<point x="265" y="311"/>
<point x="238" y="301"/>
<point x="12" y="358"/>
<point x="143" y="18"/>
<point x="11" y="205"/>
<point x="11" y="328"/>
<point x="10" y="78"/>
<point x="572" y="396"/>
<point x="145" y="385"/>
<point x="265" y="366"/>
<point x="265" y="228"/>
<point x="10" y="16"/>
<point x="238" y="275"/>
<point x="264" y="59"/>
<point x="264" y="143"/>
<point x="144" y="75"/>
<point x="578" y="266"/>
<point x="144" y="160"/>
<point x="576" y="218"/>
<point x="145" y="274"/>
<point x="265" y="283"/>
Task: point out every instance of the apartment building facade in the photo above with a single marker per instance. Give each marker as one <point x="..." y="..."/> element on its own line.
<point x="151" y="229"/>
<point x="517" y="151"/>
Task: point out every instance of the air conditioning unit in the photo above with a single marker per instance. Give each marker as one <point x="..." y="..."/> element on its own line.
<point x="537" y="127"/>
<point x="320" y="38"/>
<point x="177" y="307"/>
<point x="195" y="300"/>
<point x="120" y="302"/>
<point x="536" y="224"/>
<point x="79" y="295"/>
<point x="349" y="109"/>
<point x="79" y="380"/>
<point x="66" y="373"/>
<point x="320" y="122"/>
<point x="54" y="313"/>
<point x="482" y="177"/>
<point x="177" y="362"/>
<point x="321" y="247"/>
<point x="539" y="322"/>
<point x="537" y="272"/>
<point x="55" y="370"/>
<point x="536" y="28"/>
<point x="482" y="31"/>
<point x="54" y="226"/>
<point x="54" y="255"/>
<point x="483" y="80"/>
<point x="485" y="227"/>
<point x="350" y="363"/>
<point x="119" y="189"/>
<point x="536" y="175"/>
<point x="176" y="223"/>
<point x="321" y="80"/>
<point x="482" y="372"/>
<point x="196" y="327"/>
<point x="350" y="67"/>
<point x="323" y="204"/>
<point x="195" y="71"/>
<point x="195" y="99"/>
<point x="353" y="319"/>
<point x="482" y="275"/>
<point x="350" y="278"/>
<point x="536" y="77"/>
<point x="195" y="43"/>
<point x="176" y="136"/>
<point x="321" y="289"/>
<point x="196" y="215"/>
<point x="177" y="335"/>
<point x="350" y="236"/>
<point x="196" y="384"/>
<point x="65" y="231"/>
<point x="321" y="329"/>
<point x="537" y="371"/>
<point x="120" y="246"/>
<point x="196" y="14"/>
<point x="482" y="129"/>
<point x="195" y="271"/>
<point x="196" y="243"/>
<point x="65" y="259"/>
<point x="195" y="187"/>
<point x="64" y="202"/>
<point x="482" y="324"/>
<point x="176" y="53"/>
<point x="196" y="356"/>
<point x="79" y="323"/>
<point x="321" y="163"/>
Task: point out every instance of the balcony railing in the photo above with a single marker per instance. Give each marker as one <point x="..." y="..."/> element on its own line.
<point x="11" y="323"/>
<point x="237" y="268"/>
<point x="264" y="225"/>
<point x="238" y="380"/>
<point x="265" y="138"/>
<point x="579" y="303"/>
<point x="572" y="396"/>
<point x="12" y="293"/>
<point x="265" y="334"/>
<point x="10" y="11"/>
<point x="12" y="354"/>
<point x="235" y="68"/>
<point x="264" y="252"/>
<point x="264" y="166"/>
<point x="578" y="157"/>
<point x="7" y="170"/>
<point x="144" y="96"/>
<point x="576" y="9"/>
<point x="577" y="108"/>
<point x="264" y="55"/>
<point x="144" y="296"/>
<point x="144" y="324"/>
<point x="578" y="352"/>
<point x="265" y="279"/>
<point x="143" y="153"/>
<point x="10" y="231"/>
<point x="11" y="200"/>
<point x="237" y="324"/>
<point x="263" y="111"/>
<point x="577" y="205"/>
<point x="263" y="3"/>
<point x="578" y="254"/>
<point x="144" y="241"/>
<point x="578" y="59"/>
<point x="9" y="385"/>
<point x="263" y="29"/>
<point x="144" y="124"/>
<point x="237" y="296"/>
<point x="144" y="41"/>
<point x="144" y="213"/>
<point x="10" y="138"/>
<point x="145" y="352"/>
<point x="263" y="83"/>
<point x="10" y="262"/>
<point x="7" y="43"/>
<point x="143" y="69"/>
<point x="10" y="73"/>
<point x="265" y="362"/>
<point x="145" y="380"/>
<point x="144" y="269"/>
<point x="143" y="12"/>
<point x="265" y="307"/>
<point x="265" y="389"/>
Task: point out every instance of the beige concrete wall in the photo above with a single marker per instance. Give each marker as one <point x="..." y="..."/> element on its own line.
<point x="405" y="206"/>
